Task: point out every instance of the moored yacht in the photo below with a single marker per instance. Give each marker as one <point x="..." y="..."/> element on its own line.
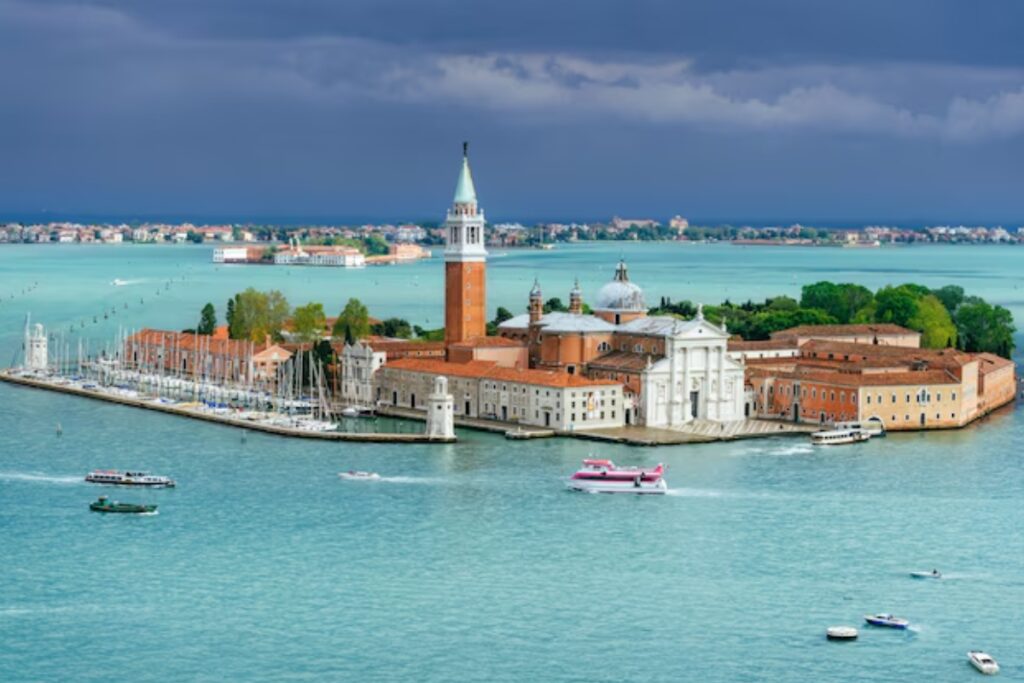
<point x="604" y="476"/>
<point x="118" y="478"/>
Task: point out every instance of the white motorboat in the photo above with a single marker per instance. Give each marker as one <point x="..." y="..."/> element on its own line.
<point x="983" y="662"/>
<point x="887" y="620"/>
<point x="358" y="475"/>
<point x="118" y="282"/>
<point x="351" y="411"/>
<point x="603" y="476"/>
<point x="835" y="437"/>
<point x="933" y="574"/>
<point x="841" y="633"/>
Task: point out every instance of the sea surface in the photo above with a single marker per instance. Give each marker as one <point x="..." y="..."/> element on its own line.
<point x="471" y="562"/>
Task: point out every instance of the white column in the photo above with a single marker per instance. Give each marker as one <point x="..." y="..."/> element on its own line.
<point x="686" y="385"/>
<point x="721" y="381"/>
<point x="672" y="379"/>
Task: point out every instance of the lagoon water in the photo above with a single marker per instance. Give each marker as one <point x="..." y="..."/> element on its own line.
<point x="470" y="561"/>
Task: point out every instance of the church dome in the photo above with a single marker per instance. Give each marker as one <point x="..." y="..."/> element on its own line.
<point x="620" y="294"/>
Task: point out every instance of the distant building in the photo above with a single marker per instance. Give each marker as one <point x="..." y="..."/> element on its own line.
<point x="620" y="224"/>
<point x="679" y="224"/>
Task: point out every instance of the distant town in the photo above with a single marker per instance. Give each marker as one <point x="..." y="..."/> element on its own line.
<point x="374" y="239"/>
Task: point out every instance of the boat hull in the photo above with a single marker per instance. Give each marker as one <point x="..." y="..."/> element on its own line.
<point x="658" y="487"/>
<point x="899" y="624"/>
<point x="123" y="508"/>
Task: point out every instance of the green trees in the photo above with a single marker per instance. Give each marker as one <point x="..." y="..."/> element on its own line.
<point x="983" y="327"/>
<point x="895" y="305"/>
<point x="398" y="328"/>
<point x="500" y="316"/>
<point x="841" y="301"/>
<point x="207" y="320"/>
<point x="555" y="304"/>
<point x="308" y="322"/>
<point x="932" y="320"/>
<point x="353" y="323"/>
<point x="255" y="315"/>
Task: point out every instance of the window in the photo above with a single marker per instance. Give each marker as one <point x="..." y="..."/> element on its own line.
<point x="953" y="397"/>
<point x="869" y="399"/>
<point x="574" y="417"/>
<point x="602" y="414"/>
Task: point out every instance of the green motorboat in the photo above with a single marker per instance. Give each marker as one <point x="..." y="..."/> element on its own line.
<point x="104" y="504"/>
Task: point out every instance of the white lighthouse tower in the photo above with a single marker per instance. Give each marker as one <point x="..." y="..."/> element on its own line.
<point x="441" y="411"/>
<point x="36" y="355"/>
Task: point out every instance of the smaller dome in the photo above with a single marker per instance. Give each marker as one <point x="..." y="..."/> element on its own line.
<point x="620" y="294"/>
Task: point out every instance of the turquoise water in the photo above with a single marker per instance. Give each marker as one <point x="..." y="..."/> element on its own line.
<point x="470" y="561"/>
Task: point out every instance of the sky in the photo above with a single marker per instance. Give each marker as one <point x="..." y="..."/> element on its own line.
<point x="819" y="111"/>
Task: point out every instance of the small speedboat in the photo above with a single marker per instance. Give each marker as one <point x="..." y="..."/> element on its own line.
<point x="118" y="478"/>
<point x="604" y="476"/>
<point x="886" y="620"/>
<point x="983" y="662"/>
<point x="351" y="411"/>
<point x="841" y="633"/>
<point x="104" y="504"/>
<point x="933" y="574"/>
<point x="359" y="475"/>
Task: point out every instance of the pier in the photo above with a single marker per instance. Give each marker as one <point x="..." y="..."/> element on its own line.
<point x="191" y="412"/>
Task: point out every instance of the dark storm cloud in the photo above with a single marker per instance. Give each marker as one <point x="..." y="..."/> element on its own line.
<point x="729" y="108"/>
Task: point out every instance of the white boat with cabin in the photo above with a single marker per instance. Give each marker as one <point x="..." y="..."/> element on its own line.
<point x="983" y="662"/>
<point x="118" y="478"/>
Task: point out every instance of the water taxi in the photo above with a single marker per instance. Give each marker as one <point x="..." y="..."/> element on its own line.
<point x="886" y="620"/>
<point x="104" y="504"/>
<point x="983" y="662"/>
<point x="604" y="476"/>
<point x="835" y="437"/>
<point x="118" y="478"/>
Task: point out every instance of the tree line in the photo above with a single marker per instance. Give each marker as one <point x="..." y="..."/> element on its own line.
<point x="945" y="317"/>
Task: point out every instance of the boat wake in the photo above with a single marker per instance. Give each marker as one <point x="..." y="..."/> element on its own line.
<point x="694" y="493"/>
<point x="802" y="449"/>
<point x="43" y="478"/>
<point x="412" y="480"/>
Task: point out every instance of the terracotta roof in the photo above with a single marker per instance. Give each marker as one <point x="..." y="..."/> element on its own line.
<point x="621" y="361"/>
<point x="879" y="352"/>
<point x="842" y="330"/>
<point x="480" y="369"/>
<point x="989" y="362"/>
<point x="183" y="341"/>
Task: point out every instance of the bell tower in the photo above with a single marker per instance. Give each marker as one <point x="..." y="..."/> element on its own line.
<point x="465" y="262"/>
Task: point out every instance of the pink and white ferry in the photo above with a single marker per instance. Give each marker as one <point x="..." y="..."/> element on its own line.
<point x="604" y="476"/>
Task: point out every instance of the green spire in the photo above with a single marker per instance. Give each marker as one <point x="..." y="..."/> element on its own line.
<point x="465" y="193"/>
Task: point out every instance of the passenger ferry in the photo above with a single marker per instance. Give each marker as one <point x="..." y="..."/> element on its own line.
<point x="118" y="478"/>
<point x="835" y="437"/>
<point x="604" y="476"/>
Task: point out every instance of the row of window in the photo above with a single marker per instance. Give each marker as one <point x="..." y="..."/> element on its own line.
<point x="923" y="396"/>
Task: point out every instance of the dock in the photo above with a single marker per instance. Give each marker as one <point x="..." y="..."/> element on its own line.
<point x="226" y="420"/>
